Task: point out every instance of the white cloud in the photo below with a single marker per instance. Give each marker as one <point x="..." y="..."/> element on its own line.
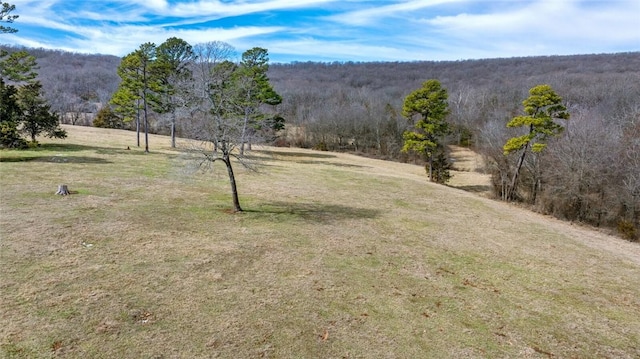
<point x="371" y="15"/>
<point x="122" y="40"/>
<point x="156" y="5"/>
<point x="545" y="27"/>
<point x="234" y="8"/>
<point x="360" y="30"/>
<point x="549" y="20"/>
<point x="338" y="51"/>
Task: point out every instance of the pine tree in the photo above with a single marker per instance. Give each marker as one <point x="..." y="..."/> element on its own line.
<point x="429" y="103"/>
<point x="542" y="108"/>
<point x="36" y="117"/>
<point x="252" y="91"/>
<point x="9" y="118"/>
<point x="5" y="10"/>
<point x="174" y="75"/>
<point x="138" y="83"/>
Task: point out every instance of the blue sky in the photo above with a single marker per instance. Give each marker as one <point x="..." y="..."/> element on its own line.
<point x="337" y="30"/>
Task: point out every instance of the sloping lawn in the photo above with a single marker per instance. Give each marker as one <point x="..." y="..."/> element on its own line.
<point x="335" y="256"/>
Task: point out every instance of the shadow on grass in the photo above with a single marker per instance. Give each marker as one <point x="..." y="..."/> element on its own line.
<point x="316" y="212"/>
<point x="295" y="154"/>
<point x="35" y="154"/>
<point x="117" y="151"/>
<point x="309" y="155"/>
<point x="70" y="147"/>
<point x="474" y="188"/>
<point x="337" y="164"/>
<point x="62" y="147"/>
<point x="55" y="159"/>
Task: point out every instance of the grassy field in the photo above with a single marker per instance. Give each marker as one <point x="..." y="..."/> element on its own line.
<point x="336" y="256"/>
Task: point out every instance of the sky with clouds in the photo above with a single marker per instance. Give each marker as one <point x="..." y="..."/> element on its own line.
<point x="336" y="30"/>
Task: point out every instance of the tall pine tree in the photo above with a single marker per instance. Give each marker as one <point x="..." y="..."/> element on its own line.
<point x="542" y="108"/>
<point x="429" y="105"/>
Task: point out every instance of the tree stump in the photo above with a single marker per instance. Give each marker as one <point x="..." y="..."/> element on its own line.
<point x="63" y="190"/>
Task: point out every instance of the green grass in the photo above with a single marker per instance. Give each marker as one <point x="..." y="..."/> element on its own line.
<point x="336" y="256"/>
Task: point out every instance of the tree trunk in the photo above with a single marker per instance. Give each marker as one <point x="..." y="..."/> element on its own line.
<point x="63" y="190"/>
<point x="243" y="138"/>
<point x="232" y="179"/>
<point x="138" y="121"/>
<point x="146" y="128"/>
<point x="512" y="188"/>
<point x="173" y="131"/>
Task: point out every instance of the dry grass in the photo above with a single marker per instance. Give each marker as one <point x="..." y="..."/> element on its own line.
<point x="467" y="172"/>
<point x="336" y="256"/>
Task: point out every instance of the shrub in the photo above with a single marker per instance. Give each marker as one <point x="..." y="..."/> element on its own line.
<point x="321" y="146"/>
<point x="628" y="230"/>
<point x="108" y="119"/>
<point x="9" y="137"/>
<point x="441" y="168"/>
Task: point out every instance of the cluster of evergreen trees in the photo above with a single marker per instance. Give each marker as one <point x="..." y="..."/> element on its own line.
<point x="227" y="105"/>
<point x="177" y="80"/>
<point x="23" y="109"/>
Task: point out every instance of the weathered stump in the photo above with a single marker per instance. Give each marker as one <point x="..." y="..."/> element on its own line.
<point x="63" y="190"/>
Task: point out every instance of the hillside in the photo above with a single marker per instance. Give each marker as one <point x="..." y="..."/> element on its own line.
<point x="587" y="174"/>
<point x="336" y="256"/>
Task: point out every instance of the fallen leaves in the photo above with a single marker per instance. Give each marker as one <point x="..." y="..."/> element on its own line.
<point x="324" y="336"/>
<point x="56" y="346"/>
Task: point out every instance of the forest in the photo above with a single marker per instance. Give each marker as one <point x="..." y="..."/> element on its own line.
<point x="589" y="173"/>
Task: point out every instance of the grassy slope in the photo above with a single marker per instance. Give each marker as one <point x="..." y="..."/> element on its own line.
<point x="336" y="257"/>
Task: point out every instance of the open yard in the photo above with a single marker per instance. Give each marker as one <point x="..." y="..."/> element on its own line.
<point x="335" y="256"/>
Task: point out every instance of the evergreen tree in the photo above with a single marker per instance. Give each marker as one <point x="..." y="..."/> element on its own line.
<point x="429" y="104"/>
<point x="253" y="90"/>
<point x="173" y="72"/>
<point x="126" y="100"/>
<point x="9" y="118"/>
<point x="441" y="166"/>
<point x="106" y="118"/>
<point x="36" y="117"/>
<point x="9" y="110"/>
<point x="5" y="10"/>
<point x="136" y="90"/>
<point x="22" y="107"/>
<point x="542" y="108"/>
<point x="18" y="67"/>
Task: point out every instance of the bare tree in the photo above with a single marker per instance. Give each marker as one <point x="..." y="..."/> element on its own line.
<point x="491" y="138"/>
<point x="215" y="124"/>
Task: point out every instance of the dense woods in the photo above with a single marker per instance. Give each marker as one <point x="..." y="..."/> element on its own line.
<point x="77" y="85"/>
<point x="589" y="173"/>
